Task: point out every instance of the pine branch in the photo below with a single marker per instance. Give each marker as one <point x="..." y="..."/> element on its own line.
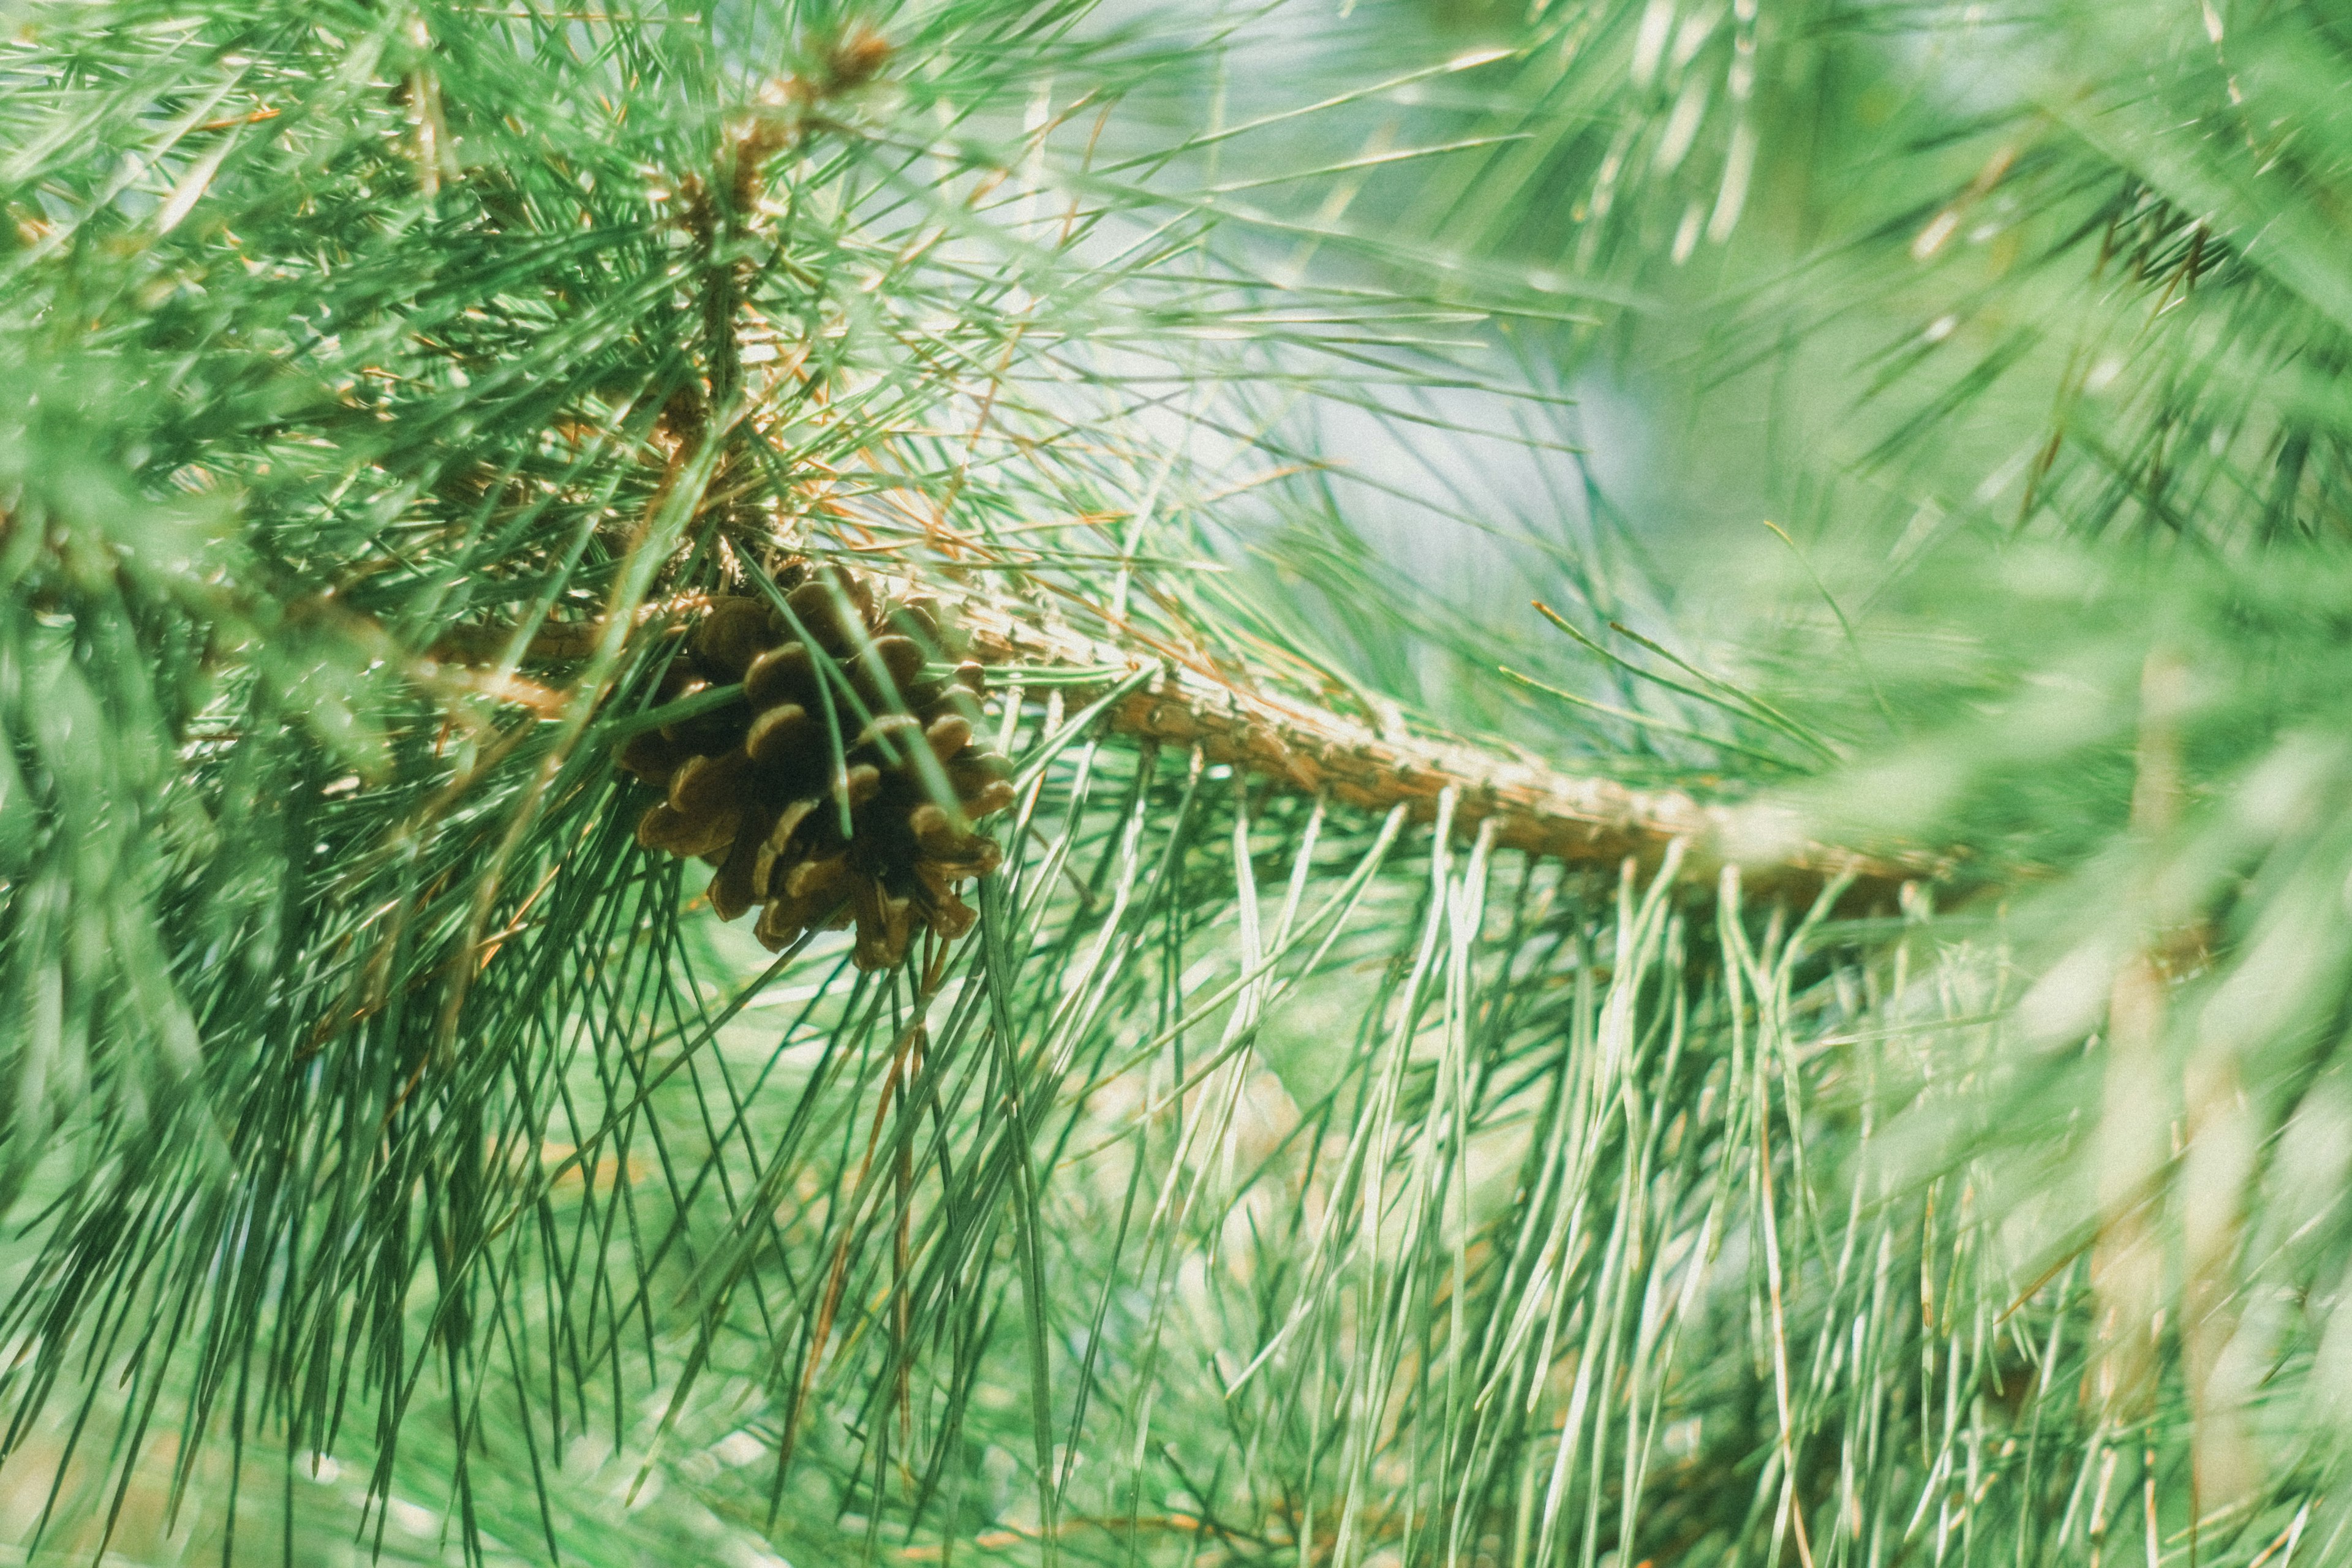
<point x="1311" y="748"/>
<point x="551" y="642"/>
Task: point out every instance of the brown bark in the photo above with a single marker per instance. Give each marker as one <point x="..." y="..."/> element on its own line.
<point x="1535" y="808"/>
<point x="1310" y="748"/>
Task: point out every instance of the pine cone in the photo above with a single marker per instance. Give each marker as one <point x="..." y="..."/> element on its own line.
<point x="843" y="786"/>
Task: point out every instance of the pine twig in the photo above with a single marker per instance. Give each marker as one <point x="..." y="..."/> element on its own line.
<point x="1535" y="808"/>
<point x="1305" y="747"/>
<point x="554" y="642"/>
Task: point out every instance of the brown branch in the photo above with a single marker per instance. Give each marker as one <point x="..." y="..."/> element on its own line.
<point x="1303" y="746"/>
<point x="555" y="642"/>
<point x="1534" y="808"/>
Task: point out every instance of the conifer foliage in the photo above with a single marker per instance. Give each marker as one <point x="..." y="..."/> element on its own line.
<point x="1824" y="1055"/>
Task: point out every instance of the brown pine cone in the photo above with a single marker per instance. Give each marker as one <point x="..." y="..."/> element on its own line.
<point x="843" y="786"/>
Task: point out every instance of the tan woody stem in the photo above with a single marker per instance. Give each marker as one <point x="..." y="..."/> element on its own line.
<point x="1533" y="808"/>
<point x="1303" y="746"/>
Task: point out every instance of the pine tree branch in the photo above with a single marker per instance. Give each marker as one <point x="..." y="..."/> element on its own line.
<point x="554" y="642"/>
<point x="1311" y="748"/>
<point x="1537" y="809"/>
